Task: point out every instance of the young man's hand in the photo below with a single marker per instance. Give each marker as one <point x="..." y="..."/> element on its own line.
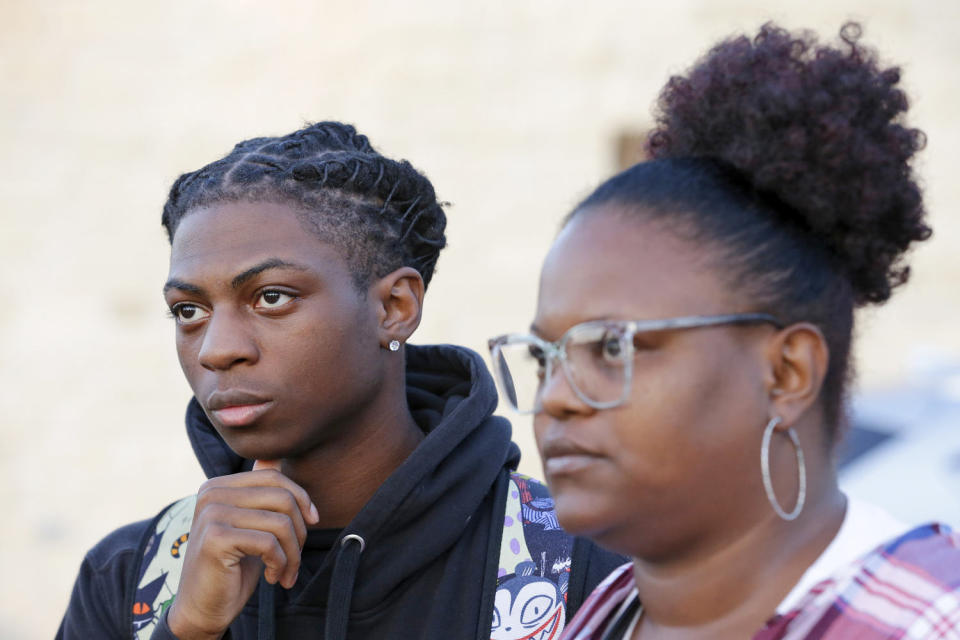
<point x="243" y="524"/>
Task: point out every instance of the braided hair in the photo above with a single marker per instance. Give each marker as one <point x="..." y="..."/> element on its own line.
<point x="382" y="214"/>
<point x="789" y="162"/>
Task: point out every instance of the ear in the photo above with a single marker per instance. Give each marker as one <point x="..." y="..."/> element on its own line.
<point x="399" y="299"/>
<point x="798" y="357"/>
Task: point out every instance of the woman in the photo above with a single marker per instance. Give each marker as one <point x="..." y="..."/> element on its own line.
<point x="378" y="497"/>
<point x="689" y="357"/>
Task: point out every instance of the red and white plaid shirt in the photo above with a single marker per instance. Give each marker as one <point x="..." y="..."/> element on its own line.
<point x="906" y="589"/>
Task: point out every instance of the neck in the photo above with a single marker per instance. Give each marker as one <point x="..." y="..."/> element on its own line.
<point x="733" y="589"/>
<point x="342" y="474"/>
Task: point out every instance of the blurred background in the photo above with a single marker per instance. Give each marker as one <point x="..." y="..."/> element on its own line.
<point x="515" y="110"/>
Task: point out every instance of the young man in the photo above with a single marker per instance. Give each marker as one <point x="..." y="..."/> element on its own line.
<point x="359" y="487"/>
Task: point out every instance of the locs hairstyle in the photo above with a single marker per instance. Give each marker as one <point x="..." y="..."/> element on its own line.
<point x="788" y="162"/>
<point x="381" y="213"/>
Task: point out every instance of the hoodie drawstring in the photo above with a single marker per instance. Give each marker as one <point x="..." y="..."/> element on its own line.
<point x="338" y="600"/>
<point x="266" y="611"/>
<point x="341" y="586"/>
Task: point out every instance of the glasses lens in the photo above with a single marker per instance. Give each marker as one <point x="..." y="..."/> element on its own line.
<point x="520" y="367"/>
<point x="598" y="362"/>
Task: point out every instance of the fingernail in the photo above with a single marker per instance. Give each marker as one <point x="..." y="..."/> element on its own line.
<point x="314" y="514"/>
<point x="266" y="464"/>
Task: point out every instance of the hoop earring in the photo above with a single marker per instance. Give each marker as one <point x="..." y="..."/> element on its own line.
<point x="765" y="470"/>
<point x="394" y="345"/>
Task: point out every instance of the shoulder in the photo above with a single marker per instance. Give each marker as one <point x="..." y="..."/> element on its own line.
<point x="108" y="595"/>
<point x="601" y="606"/>
<point x="103" y="590"/>
<point x="919" y="572"/>
<point x="923" y="562"/>
<point x="117" y="547"/>
<point x="908" y="587"/>
<point x="128" y="543"/>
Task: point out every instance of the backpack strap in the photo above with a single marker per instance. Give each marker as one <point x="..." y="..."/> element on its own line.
<point x="158" y="576"/>
<point x="534" y="566"/>
<point x="535" y="560"/>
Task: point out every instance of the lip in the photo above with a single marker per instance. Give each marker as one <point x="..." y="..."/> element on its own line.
<point x="565" y="457"/>
<point x="235" y="408"/>
<point x="567" y="465"/>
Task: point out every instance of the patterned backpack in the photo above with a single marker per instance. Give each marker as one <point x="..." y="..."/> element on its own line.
<point x="532" y="577"/>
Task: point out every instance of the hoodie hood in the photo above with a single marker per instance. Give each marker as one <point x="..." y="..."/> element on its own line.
<point x="426" y="504"/>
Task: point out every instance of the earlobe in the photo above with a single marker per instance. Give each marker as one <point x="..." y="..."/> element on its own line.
<point x="400" y="299"/>
<point x="798" y="357"/>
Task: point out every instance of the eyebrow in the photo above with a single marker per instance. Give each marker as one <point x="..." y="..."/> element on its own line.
<point x="175" y="283"/>
<point x="606" y="317"/>
<point x="239" y="279"/>
<point x="266" y="265"/>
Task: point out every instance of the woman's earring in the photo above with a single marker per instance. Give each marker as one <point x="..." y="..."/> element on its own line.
<point x="765" y="470"/>
<point x="394" y="345"/>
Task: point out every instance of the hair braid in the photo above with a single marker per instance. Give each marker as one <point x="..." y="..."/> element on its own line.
<point x="382" y="213"/>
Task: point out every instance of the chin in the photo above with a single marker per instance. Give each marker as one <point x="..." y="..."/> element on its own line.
<point x="252" y="446"/>
<point x="605" y="523"/>
<point x="580" y="514"/>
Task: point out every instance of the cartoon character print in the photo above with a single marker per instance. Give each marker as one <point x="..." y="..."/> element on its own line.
<point x="536" y="504"/>
<point x="143" y="611"/>
<point x="528" y="606"/>
<point x="160" y="567"/>
<point x="530" y="602"/>
<point x="175" y="547"/>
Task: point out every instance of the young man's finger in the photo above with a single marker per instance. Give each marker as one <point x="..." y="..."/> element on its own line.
<point x="264" y="478"/>
<point x="259" y="465"/>
<point x="276" y="524"/>
<point x="256" y="543"/>
<point x="283" y="524"/>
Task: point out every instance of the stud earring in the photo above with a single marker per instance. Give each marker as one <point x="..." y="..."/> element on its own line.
<point x="394" y="345"/>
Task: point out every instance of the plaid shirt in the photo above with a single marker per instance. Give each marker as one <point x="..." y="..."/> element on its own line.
<point x="906" y="589"/>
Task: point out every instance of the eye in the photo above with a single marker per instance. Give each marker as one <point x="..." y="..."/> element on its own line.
<point x="272" y="299"/>
<point x="186" y="313"/>
<point x="538" y="356"/>
<point x="646" y="340"/>
<point x="535" y="609"/>
<point x="612" y="348"/>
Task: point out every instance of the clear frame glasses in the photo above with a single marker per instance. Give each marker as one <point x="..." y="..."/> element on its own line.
<point x="596" y="358"/>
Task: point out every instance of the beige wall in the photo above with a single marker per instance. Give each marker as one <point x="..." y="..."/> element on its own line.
<point x="512" y="108"/>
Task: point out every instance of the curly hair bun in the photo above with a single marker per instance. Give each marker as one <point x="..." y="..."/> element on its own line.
<point x="816" y="129"/>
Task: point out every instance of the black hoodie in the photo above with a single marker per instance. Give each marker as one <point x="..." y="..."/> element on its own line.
<point x="428" y="566"/>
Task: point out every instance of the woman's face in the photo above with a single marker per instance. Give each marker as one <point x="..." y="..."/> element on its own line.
<point x="676" y="465"/>
<point x="279" y="347"/>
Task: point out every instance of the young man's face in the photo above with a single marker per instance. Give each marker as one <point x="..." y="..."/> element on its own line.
<point x="278" y="345"/>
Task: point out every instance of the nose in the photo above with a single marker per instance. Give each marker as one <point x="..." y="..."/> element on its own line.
<point x="557" y="397"/>
<point x="226" y="342"/>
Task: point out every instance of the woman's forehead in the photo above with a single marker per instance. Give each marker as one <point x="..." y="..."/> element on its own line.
<point x="605" y="265"/>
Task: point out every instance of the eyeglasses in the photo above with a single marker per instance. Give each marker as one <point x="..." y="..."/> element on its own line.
<point x="596" y="358"/>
